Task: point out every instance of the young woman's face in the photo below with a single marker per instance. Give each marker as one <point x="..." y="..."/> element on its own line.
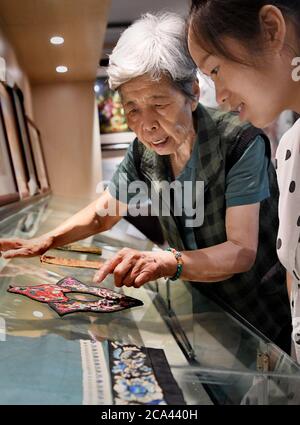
<point x="259" y="92"/>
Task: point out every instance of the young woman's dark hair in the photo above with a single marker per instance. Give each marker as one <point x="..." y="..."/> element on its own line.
<point x="211" y="20"/>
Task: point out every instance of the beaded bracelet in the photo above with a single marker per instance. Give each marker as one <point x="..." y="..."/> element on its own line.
<point x="178" y="257"/>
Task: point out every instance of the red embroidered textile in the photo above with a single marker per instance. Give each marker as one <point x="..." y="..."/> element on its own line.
<point x="55" y="296"/>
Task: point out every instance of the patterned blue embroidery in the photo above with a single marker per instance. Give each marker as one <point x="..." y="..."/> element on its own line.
<point x="133" y="380"/>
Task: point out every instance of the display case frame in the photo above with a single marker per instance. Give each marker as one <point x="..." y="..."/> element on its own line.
<point x="232" y="363"/>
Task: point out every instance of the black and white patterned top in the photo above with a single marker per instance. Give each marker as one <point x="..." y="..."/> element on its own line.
<point x="288" y="173"/>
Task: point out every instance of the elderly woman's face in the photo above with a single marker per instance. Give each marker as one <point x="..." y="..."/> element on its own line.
<point x="158" y="113"/>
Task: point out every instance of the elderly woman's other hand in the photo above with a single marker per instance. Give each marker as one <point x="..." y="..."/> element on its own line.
<point x="11" y="248"/>
<point x="134" y="268"/>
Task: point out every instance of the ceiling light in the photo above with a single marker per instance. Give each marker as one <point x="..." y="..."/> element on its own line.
<point x="57" y="40"/>
<point x="61" y="69"/>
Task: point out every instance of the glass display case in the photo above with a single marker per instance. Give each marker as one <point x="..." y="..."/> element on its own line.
<point x="212" y="357"/>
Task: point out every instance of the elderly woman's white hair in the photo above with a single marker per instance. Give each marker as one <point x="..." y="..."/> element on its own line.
<point x="154" y="45"/>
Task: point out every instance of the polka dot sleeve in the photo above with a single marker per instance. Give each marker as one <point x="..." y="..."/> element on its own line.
<point x="288" y="174"/>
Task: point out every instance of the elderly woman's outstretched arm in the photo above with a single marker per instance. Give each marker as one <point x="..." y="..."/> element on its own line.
<point x="213" y="264"/>
<point x="85" y="223"/>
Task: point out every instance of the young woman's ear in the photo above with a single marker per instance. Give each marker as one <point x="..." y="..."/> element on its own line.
<point x="196" y="93"/>
<point x="273" y="27"/>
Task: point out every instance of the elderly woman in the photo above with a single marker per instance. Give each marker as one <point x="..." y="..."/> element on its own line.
<point x="232" y="253"/>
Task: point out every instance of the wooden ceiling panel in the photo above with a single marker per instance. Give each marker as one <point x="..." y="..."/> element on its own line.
<point x="29" y="24"/>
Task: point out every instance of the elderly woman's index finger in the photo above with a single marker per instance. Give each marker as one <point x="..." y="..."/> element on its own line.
<point x="107" y="268"/>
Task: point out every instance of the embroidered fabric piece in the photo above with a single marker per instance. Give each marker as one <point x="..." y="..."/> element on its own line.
<point x="81" y="248"/>
<point x="70" y="262"/>
<point x="96" y="383"/>
<point x="135" y="376"/>
<point x="43" y="293"/>
<point x="55" y="296"/>
<point x="99" y="306"/>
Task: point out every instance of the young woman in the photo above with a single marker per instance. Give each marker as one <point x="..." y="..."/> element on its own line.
<point x="251" y="50"/>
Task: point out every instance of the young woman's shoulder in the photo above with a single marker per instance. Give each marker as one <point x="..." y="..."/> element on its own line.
<point x="290" y="142"/>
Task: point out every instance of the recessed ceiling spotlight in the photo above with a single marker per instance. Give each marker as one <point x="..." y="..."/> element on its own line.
<point x="61" y="69"/>
<point x="57" y="40"/>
